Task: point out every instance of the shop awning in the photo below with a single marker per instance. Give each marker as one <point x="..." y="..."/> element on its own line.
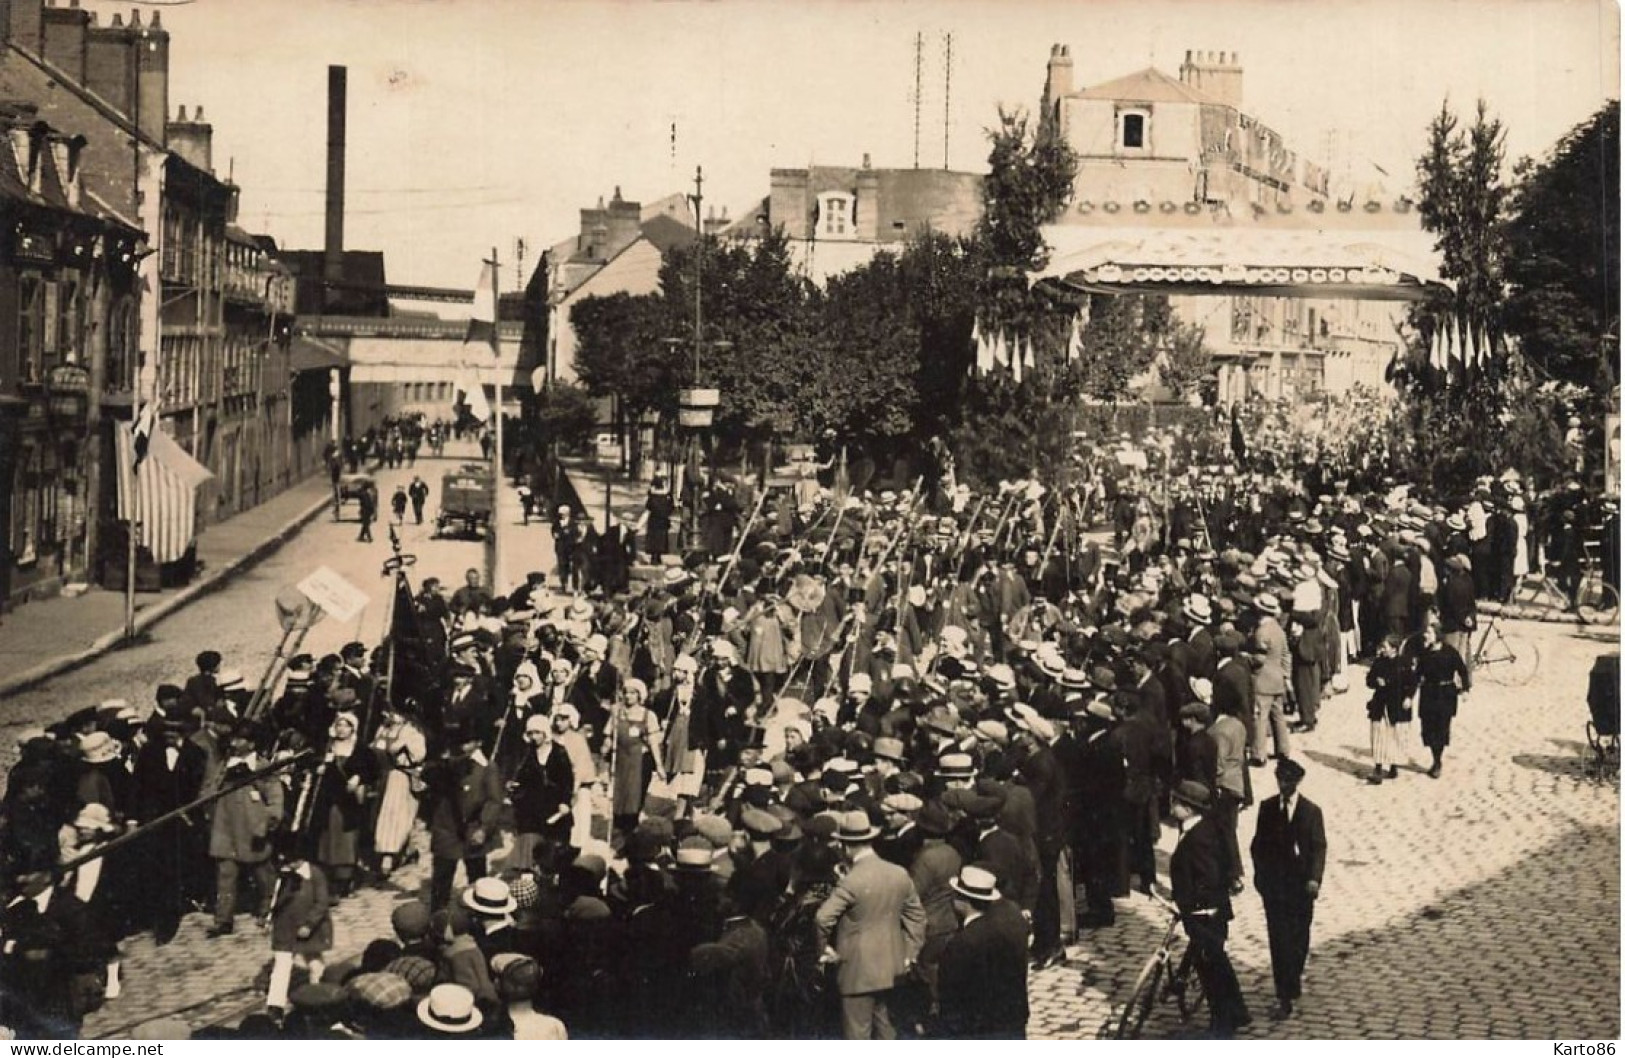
<point x="1375" y="265"/>
<point x="317" y="354"/>
<point x="161" y="494"/>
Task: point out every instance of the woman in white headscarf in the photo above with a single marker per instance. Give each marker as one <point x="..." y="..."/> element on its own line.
<point x="682" y="761"/>
<point x="346" y="777"/>
<point x="403" y="747"/>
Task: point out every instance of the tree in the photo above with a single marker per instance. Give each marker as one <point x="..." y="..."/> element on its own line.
<point x="1028" y="185"/>
<point x="622" y="352"/>
<point x="1563" y="256"/>
<point x="1186" y="367"/>
<point x="565" y="415"/>
<point x="1121" y="342"/>
<point x="1463" y="202"/>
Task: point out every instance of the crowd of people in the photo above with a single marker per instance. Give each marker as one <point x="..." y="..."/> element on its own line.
<point x="851" y="768"/>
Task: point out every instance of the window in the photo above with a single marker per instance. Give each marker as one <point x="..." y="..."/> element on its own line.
<point x="835" y="216"/>
<point x="70" y="321"/>
<point x="1133" y="128"/>
<point x="121" y="353"/>
<point x="31" y="326"/>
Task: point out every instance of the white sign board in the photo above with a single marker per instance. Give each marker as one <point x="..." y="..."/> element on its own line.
<point x="337" y="597"/>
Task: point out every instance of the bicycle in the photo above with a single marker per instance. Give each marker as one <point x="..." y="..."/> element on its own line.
<point x="1503" y="659"/>
<point x="1595" y="600"/>
<point x="1160" y="978"/>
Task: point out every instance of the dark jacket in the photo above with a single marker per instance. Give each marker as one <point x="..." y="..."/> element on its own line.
<point x="982" y="978"/>
<point x="1201" y="868"/>
<point x="1288" y="853"/>
<point x="462" y="797"/>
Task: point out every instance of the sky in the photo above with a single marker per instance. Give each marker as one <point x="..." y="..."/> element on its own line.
<point x="475" y="123"/>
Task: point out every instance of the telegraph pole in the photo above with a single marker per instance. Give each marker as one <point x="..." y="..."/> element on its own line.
<point x="498" y="478"/>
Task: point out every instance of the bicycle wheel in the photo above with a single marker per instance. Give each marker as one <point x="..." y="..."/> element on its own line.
<point x="1597" y="603"/>
<point x="1510" y="661"/>
<point x="1140" y="1003"/>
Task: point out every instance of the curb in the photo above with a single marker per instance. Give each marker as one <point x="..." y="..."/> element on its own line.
<point x="210" y="581"/>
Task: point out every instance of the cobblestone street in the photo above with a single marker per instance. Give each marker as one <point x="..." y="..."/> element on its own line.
<point x="1484" y="904"/>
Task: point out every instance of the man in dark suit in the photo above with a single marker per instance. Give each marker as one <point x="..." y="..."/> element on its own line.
<point x="872" y="926"/>
<point x="462" y="801"/>
<point x="1200" y="873"/>
<point x="1289" y="857"/>
<point x="982" y="975"/>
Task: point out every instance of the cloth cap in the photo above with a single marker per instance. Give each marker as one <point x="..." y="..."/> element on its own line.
<point x="1193" y="793"/>
<point x="715" y="830"/>
<point x="1289" y="769"/>
<point x="992" y="731"/>
<point x="905" y="803"/>
<point x="418" y="973"/>
<point x="889" y="749"/>
<point x="410" y="920"/>
<point x="379" y="991"/>
<point x="761" y="823"/>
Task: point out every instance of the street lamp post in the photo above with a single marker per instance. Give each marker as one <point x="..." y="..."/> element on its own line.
<point x="696" y="404"/>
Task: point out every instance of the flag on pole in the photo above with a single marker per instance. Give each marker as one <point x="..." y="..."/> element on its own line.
<point x="482" y="322"/>
<point x="469" y="395"/>
<point x="1074" y="339"/>
<point x="141" y="432"/>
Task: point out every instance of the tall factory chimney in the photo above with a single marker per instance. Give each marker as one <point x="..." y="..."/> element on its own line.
<point x="333" y="248"/>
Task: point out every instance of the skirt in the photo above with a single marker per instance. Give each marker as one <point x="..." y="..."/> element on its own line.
<point x="395" y="815"/>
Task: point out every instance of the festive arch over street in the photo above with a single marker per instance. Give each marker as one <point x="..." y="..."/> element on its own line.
<point x="1244" y="259"/>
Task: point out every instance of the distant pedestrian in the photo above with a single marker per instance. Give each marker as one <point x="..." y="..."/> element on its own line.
<point x="397" y="504"/>
<point x="419" y="493"/>
<point x="527" y="503"/>
<point x="1289" y="859"/>
<point x="657" y="519"/>
<point x="1442" y="677"/>
<point x="368" y="502"/>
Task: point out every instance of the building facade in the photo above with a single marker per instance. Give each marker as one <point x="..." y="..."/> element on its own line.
<point x="1182" y="155"/>
<point x="836" y="218"/>
<point x="67" y="310"/>
<point x="205" y="319"/>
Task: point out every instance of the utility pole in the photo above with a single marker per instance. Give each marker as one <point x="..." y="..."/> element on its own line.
<point x="498" y="481"/>
<point x="947" y="93"/>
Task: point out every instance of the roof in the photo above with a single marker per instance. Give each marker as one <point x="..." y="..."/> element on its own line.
<point x="1149" y="85"/>
<point x="1384" y="265"/>
<point x="667" y="234"/>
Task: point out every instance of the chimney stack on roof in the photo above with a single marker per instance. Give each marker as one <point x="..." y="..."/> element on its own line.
<point x="1216" y="74"/>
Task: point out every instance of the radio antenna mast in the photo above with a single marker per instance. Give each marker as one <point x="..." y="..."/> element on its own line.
<point x="947" y="93"/>
<point x="919" y="48"/>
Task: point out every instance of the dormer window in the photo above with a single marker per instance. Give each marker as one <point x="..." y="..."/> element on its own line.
<point x="1133" y="130"/>
<point x="836" y="216"/>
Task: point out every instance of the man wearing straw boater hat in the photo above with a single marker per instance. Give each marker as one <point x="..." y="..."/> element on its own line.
<point x="982" y="975"/>
<point x="872" y="927"/>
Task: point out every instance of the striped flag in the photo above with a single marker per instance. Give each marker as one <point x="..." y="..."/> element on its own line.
<point x="482" y="322"/>
<point x="160" y="493"/>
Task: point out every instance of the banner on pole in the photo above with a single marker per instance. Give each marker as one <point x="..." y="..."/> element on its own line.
<point x="337" y="597"/>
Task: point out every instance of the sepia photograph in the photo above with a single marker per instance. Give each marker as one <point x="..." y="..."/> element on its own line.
<point x="960" y="520"/>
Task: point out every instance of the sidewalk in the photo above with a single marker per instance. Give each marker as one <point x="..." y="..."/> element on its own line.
<point x="50" y="636"/>
<point x="594" y="483"/>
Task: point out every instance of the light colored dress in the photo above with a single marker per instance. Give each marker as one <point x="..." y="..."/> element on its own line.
<point x="404" y="748"/>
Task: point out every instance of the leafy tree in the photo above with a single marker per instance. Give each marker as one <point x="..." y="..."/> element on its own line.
<point x="1563" y="256"/>
<point x="565" y="414"/>
<point x="1029" y="184"/>
<point x="1186" y="366"/>
<point x="622" y="352"/>
<point x="1121" y="342"/>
